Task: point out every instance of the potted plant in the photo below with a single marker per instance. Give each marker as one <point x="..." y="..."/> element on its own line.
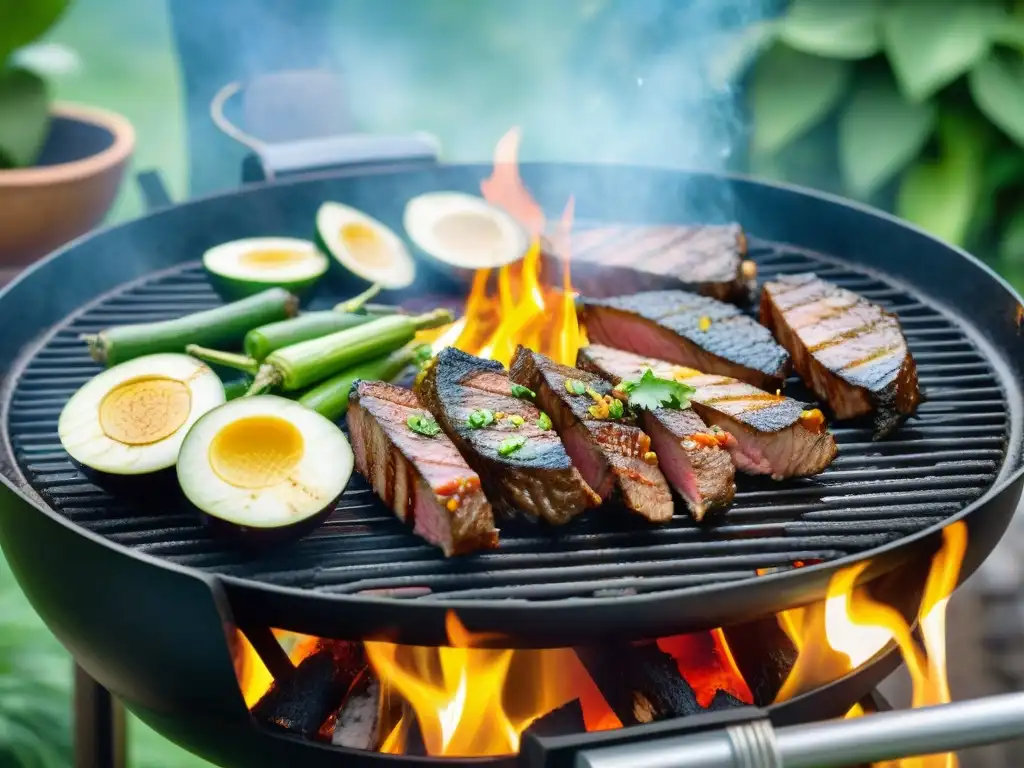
<point x="60" y="164"/>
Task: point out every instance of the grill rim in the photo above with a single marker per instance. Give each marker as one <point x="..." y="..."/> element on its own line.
<point x="240" y="591"/>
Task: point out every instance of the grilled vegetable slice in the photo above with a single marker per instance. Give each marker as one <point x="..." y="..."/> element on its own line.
<point x="223" y="326"/>
<point x="364" y="246"/>
<point x="851" y="352"/>
<point x="241" y="268"/>
<point x="264" y="467"/>
<point x="421" y="477"/>
<point x="464" y="231"/>
<point x="602" y="439"/>
<point x="131" y="419"/>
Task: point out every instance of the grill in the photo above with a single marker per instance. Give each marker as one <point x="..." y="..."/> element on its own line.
<point x="139" y="591"/>
<point x="875" y="492"/>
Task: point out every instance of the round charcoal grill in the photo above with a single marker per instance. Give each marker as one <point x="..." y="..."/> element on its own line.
<point x="140" y="592"/>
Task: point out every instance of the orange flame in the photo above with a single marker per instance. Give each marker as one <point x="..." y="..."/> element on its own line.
<point x="855" y="628"/>
<point x="515" y="306"/>
<point x="253" y="676"/>
<point x="459" y="696"/>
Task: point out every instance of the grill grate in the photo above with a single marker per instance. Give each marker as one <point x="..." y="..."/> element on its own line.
<point x="936" y="464"/>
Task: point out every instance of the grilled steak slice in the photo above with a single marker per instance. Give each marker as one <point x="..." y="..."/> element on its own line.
<point x="613" y="454"/>
<point x="851" y="352"/>
<point x="689" y="330"/>
<point x="473" y="403"/>
<point x="774" y="435"/>
<point x="423" y="479"/>
<point x="704" y="259"/>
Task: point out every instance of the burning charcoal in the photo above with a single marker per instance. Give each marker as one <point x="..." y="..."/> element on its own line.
<point x="303" y="701"/>
<point x="565" y="720"/>
<point x="359" y="719"/>
<point x="724" y="700"/>
<point x="764" y="655"/>
<point x="640" y="683"/>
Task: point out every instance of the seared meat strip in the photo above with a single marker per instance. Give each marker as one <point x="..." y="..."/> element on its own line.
<point x="523" y="467"/>
<point x="774" y="435"/>
<point x="422" y="478"/>
<point x="613" y="454"/>
<point x="851" y="352"/>
<point x="704" y="259"/>
<point x="689" y="330"/>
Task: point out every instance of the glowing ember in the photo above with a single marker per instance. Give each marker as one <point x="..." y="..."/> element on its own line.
<point x="855" y="627"/>
<point x="707" y="664"/>
<point x="514" y="306"/>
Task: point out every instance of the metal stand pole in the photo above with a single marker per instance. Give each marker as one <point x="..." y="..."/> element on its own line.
<point x="99" y="725"/>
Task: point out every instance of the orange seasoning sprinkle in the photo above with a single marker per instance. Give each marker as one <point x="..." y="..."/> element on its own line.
<point x="704" y="323"/>
<point x="703" y="438"/>
<point x="813" y="420"/>
<point x="651" y="457"/>
<point x="452" y="504"/>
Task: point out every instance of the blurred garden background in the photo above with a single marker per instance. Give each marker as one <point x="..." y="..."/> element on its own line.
<point x="914" y="106"/>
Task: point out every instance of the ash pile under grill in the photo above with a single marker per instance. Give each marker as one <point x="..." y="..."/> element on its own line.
<point x="874" y="493"/>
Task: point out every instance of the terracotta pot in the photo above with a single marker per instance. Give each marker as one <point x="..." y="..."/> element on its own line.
<point x="69" y="190"/>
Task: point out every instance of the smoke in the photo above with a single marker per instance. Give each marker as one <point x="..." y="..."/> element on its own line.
<point x="625" y="81"/>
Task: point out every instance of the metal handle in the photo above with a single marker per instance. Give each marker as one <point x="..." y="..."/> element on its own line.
<point x="883" y="736"/>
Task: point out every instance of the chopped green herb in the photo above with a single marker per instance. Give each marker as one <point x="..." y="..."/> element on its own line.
<point x="544" y="422"/>
<point x="518" y="390"/>
<point x="511" y="445"/>
<point x="575" y="387"/>
<point x="615" y="409"/>
<point x="650" y="392"/>
<point x="516" y="420"/>
<point x="480" y="418"/>
<point x="424" y="425"/>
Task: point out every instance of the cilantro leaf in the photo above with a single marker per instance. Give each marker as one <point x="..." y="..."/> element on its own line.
<point x="518" y="390"/>
<point x="650" y="392"/>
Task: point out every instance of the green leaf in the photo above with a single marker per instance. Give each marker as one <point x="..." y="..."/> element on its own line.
<point x="831" y="28"/>
<point x="24" y="117"/>
<point x="423" y="424"/>
<point x="1011" y="244"/>
<point x="930" y="43"/>
<point x="879" y="133"/>
<point x="941" y="195"/>
<point x="650" y="392"/>
<point x="997" y="87"/>
<point x="790" y="93"/>
<point x="22" y="21"/>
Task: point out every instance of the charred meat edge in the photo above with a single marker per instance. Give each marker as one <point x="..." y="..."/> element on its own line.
<point x="613" y="455"/>
<point x="538" y="481"/>
<point x="861" y="363"/>
<point x="453" y="514"/>
<point x="775" y="435"/>
<point x="690" y="330"/>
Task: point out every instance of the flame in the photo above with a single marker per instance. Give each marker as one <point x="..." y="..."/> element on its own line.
<point x="855" y="627"/>
<point x="706" y="662"/>
<point x="458" y="693"/>
<point x="254" y="678"/>
<point x="514" y="305"/>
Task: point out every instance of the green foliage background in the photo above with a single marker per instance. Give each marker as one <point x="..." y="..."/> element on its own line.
<point x="916" y="106"/>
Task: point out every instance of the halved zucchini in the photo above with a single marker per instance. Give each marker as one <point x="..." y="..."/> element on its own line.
<point x="245" y="267"/>
<point x="364" y="246"/>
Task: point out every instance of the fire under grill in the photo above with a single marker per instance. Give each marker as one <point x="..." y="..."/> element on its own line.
<point x="874" y="493"/>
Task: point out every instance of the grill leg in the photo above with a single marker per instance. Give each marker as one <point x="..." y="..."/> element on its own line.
<point x="99" y="725"/>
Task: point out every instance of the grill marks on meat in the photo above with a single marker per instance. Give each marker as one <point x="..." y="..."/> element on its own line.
<point x="422" y="479"/>
<point x="702" y="472"/>
<point x="610" y="453"/>
<point x="774" y="435"/>
<point x="850" y="352"/>
<point x="689" y="330"/>
<point x="704" y="259"/>
<point x="538" y="479"/>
